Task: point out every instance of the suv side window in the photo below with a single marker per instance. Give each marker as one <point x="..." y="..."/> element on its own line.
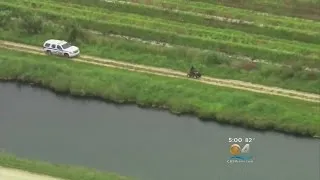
<point x="53" y="46"/>
<point x="47" y="45"/>
<point x="59" y="47"/>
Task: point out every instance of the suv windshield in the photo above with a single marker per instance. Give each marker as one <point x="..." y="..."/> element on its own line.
<point x="66" y="45"/>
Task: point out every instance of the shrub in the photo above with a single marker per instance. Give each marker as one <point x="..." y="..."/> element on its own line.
<point x="249" y="66"/>
<point x="5" y="17"/>
<point x="32" y="24"/>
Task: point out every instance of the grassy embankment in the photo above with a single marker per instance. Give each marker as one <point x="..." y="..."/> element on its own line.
<point x="210" y="62"/>
<point x="308" y="9"/>
<point x="54" y="170"/>
<point x="180" y="96"/>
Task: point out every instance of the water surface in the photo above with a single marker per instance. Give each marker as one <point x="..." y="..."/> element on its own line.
<point x="144" y="144"/>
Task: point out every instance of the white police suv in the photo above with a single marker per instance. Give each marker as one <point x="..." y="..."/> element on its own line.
<point x="60" y="48"/>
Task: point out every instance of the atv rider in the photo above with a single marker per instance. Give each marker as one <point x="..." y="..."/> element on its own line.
<point x="194" y="73"/>
<point x="192" y="70"/>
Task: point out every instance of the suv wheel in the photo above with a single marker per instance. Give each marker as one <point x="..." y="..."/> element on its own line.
<point x="48" y="52"/>
<point x="66" y="55"/>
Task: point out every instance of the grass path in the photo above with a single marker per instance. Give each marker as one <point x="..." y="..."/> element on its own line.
<point x="15" y="168"/>
<point x="14" y="174"/>
<point x="176" y="74"/>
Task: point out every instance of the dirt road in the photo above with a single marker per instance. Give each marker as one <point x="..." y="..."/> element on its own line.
<point x="235" y="84"/>
<point x="14" y="174"/>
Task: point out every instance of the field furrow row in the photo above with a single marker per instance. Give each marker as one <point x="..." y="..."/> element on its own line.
<point x="308" y="9"/>
<point x="200" y="30"/>
<point x="310" y="35"/>
<point x="246" y="16"/>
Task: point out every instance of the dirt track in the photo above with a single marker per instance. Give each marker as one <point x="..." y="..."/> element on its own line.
<point x="14" y="174"/>
<point x="235" y="84"/>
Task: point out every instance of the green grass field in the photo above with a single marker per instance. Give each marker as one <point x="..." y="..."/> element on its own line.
<point x="179" y="58"/>
<point x="180" y="96"/>
<point x="206" y="43"/>
<point x="55" y="170"/>
<point x="216" y="16"/>
<point x="225" y="40"/>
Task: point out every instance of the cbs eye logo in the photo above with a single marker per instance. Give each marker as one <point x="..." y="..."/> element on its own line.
<point x="235" y="149"/>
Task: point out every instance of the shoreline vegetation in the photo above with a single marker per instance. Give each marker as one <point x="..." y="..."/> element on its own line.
<point x="210" y="103"/>
<point x="65" y="172"/>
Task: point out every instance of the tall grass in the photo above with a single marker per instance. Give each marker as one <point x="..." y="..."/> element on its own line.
<point x="164" y="31"/>
<point x="180" y="96"/>
<point x="58" y="171"/>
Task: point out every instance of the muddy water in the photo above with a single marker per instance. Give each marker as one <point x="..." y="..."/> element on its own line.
<point x="144" y="144"/>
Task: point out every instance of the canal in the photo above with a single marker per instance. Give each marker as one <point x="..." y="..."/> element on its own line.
<point x="142" y="143"/>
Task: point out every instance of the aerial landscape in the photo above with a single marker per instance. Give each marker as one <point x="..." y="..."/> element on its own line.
<point x="258" y="65"/>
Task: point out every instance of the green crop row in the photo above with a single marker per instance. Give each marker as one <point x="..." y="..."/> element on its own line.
<point x="181" y="96"/>
<point x="299" y="4"/>
<point x="293" y="8"/>
<point x="304" y="4"/>
<point x="151" y="34"/>
<point x="181" y="28"/>
<point x="217" y="10"/>
<point x="54" y="170"/>
<point x="272" y="31"/>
